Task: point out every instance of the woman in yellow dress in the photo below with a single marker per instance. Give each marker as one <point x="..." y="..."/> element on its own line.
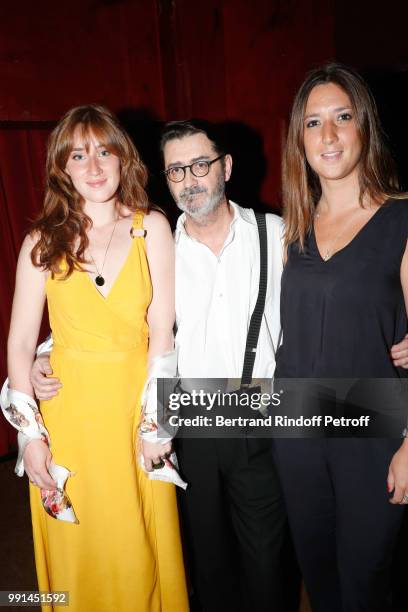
<point x="105" y="265"/>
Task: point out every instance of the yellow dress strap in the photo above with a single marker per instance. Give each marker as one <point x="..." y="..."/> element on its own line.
<point x="137" y="230"/>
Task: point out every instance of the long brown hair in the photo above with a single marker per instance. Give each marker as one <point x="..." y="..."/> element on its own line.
<point x="300" y="184"/>
<point x="62" y="220"/>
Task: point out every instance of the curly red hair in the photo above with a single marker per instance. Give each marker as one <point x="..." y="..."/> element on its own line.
<point x="62" y="224"/>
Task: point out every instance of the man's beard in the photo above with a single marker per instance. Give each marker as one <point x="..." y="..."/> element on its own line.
<point x="199" y="212"/>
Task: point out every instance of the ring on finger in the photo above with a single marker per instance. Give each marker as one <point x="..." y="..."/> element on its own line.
<point x="405" y="498"/>
<point x="158" y="465"/>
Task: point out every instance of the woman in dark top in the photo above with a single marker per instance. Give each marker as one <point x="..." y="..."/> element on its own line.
<point x="344" y="304"/>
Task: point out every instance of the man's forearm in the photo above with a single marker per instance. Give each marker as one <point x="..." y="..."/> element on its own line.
<point x="45" y="347"/>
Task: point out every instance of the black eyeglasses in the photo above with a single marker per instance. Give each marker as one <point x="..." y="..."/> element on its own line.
<point x="199" y="168"/>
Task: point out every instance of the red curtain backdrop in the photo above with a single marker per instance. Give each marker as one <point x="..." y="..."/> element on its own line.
<point x="22" y="152"/>
<point x="229" y="60"/>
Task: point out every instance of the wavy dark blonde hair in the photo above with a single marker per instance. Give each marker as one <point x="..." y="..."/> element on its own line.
<point x="301" y="185"/>
<point x="62" y="223"/>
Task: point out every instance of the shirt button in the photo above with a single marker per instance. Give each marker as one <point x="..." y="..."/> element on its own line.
<point x="220" y="294"/>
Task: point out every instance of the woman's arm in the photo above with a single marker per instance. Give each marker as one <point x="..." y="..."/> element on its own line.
<point x="160" y="255"/>
<point x="398" y="472"/>
<point x="161" y="312"/>
<point x="26" y="315"/>
<point x="399" y="352"/>
<point x="404" y="277"/>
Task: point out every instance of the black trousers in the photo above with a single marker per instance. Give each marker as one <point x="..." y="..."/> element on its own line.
<point x="234" y="522"/>
<point x="344" y="528"/>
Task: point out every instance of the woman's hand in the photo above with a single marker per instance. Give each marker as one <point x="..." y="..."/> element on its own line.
<point x="397" y="480"/>
<point x="37" y="458"/>
<point x="153" y="452"/>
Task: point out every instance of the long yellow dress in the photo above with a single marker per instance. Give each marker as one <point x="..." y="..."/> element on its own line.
<point x="125" y="553"/>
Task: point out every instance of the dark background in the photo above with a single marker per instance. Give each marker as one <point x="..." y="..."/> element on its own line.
<point x="234" y="61"/>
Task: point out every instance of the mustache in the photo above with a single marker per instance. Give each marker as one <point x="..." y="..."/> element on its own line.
<point x="189" y="191"/>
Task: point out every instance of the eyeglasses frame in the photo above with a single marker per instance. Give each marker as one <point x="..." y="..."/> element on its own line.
<point x="190" y="166"/>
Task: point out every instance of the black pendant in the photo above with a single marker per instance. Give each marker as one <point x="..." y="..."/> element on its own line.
<point x="99" y="280"/>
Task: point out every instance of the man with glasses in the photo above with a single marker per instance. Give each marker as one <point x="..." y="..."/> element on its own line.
<point x="233" y="512"/>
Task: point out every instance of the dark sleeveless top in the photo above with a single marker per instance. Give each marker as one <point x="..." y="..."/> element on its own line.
<point x="340" y="317"/>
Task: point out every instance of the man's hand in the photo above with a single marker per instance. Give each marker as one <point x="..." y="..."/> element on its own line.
<point x="37" y="458"/>
<point x="153" y="452"/>
<point x="398" y="475"/>
<point x="44" y="387"/>
<point x="399" y="353"/>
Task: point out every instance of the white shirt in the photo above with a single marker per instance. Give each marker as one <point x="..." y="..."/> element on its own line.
<point x="216" y="295"/>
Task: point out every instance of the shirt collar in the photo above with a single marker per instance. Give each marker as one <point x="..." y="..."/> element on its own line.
<point x="240" y="214"/>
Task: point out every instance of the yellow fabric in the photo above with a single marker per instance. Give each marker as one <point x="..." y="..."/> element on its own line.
<point x="125" y="554"/>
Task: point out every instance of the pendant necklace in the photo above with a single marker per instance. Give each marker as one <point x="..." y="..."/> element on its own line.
<point x="329" y="250"/>
<point x="99" y="279"/>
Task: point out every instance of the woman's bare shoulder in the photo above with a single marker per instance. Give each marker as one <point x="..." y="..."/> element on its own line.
<point x="29" y="242"/>
<point x="156" y="223"/>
